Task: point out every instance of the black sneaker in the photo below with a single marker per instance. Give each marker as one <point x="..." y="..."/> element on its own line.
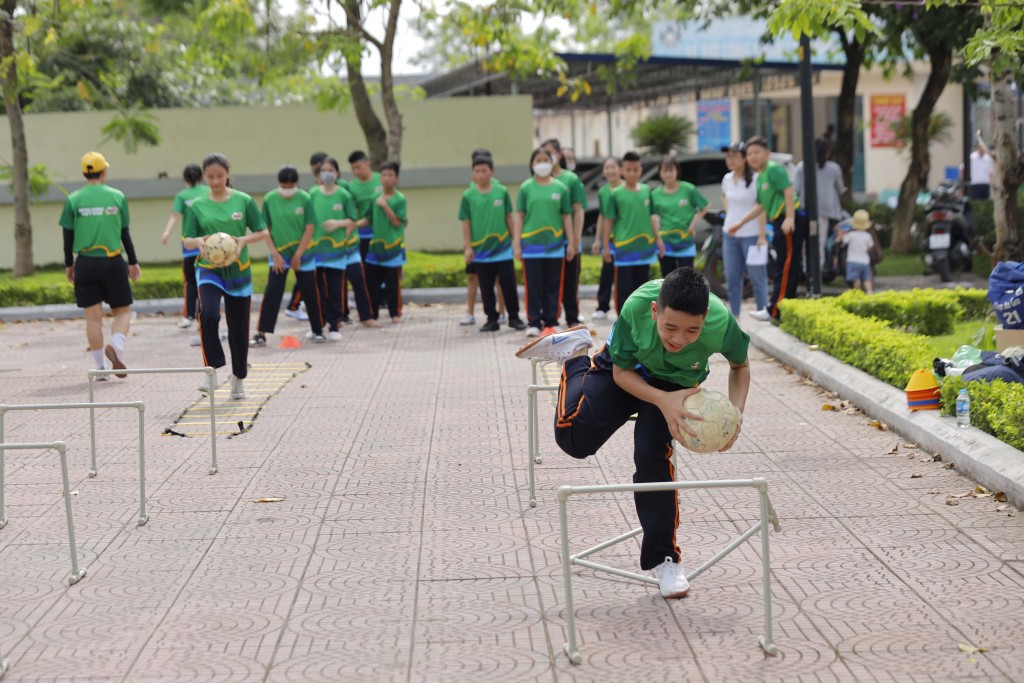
<point x="258" y="339"/>
<point x="490" y="326"/>
<point x="517" y="324"/>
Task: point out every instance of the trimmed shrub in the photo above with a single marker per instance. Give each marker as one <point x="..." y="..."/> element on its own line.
<point x="997" y="407"/>
<point x="926" y="312"/>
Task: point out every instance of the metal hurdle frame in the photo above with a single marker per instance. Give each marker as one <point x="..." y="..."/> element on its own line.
<point x="208" y="371"/>
<point x="137" y="405"/>
<point x="533" y="425"/>
<point x="76" y="573"/>
<point x="768" y="516"/>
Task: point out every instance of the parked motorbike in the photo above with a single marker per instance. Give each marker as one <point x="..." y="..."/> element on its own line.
<point x="947" y="240"/>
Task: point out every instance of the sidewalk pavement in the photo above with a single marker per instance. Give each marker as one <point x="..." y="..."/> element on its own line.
<point x="405" y="550"/>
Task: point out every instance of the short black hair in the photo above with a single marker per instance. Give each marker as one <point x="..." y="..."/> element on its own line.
<point x="93" y="176"/>
<point x="481" y="152"/>
<point x="288" y="174"/>
<point x="483" y="160"/>
<point x="630" y="156"/>
<point x="390" y="166"/>
<point x="684" y="290"/>
<point x="358" y="155"/>
<point x="192" y="174"/>
<point x="317" y="158"/>
<point x="758" y="140"/>
<point x="553" y="142"/>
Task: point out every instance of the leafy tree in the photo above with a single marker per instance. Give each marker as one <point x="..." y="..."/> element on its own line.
<point x="663" y="134"/>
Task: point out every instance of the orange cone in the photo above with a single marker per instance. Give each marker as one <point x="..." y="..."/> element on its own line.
<point x="290" y="342"/>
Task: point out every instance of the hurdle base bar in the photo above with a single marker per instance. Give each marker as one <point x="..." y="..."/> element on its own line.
<point x="768" y="517"/>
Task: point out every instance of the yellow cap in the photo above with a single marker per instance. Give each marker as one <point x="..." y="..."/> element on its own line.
<point x="93" y="162"/>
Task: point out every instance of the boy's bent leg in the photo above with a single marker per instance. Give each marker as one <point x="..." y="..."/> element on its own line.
<point x="659" y="510"/>
<point x="271" y="304"/>
<point x="591" y="406"/>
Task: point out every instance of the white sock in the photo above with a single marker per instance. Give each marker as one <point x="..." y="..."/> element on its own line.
<point x="118" y="340"/>
<point x="98" y="357"/>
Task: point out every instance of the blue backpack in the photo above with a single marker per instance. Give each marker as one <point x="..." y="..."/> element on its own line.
<point x="1006" y="293"/>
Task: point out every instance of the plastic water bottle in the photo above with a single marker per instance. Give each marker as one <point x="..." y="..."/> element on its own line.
<point x="963" y="409"/>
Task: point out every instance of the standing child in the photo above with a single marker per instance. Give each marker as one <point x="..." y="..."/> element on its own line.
<point x="635" y="225"/>
<point x="386" y="254"/>
<point x="487" y="229"/>
<point x="472" y="280"/>
<point x="681" y="208"/>
<point x="543" y="239"/>
<point x="859" y="245"/>
<point x="288" y="214"/>
<point x="578" y="199"/>
<point x="365" y="188"/>
<point x="192" y="175"/>
<point x="95" y="222"/>
<point x="227" y="210"/>
<point x="297" y="306"/>
<point x="612" y="171"/>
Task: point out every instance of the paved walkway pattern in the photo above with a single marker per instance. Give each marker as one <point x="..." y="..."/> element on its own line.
<point x="404" y="548"/>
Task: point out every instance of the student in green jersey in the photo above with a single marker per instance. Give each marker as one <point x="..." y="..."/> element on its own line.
<point x="657" y="355"/>
<point x="386" y="253"/>
<point x="288" y="214"/>
<point x="487" y="230"/>
<point x="543" y="238"/>
<point x="680" y="207"/>
<point x="365" y="188"/>
<point x="193" y="176"/>
<point x="578" y="200"/>
<point x="230" y="211"/>
<point x="297" y="305"/>
<point x="775" y="200"/>
<point x="472" y="281"/>
<point x="632" y="220"/>
<point x="95" y="222"/>
<point x="612" y="171"/>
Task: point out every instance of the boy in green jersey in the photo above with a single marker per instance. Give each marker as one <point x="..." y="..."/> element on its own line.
<point x="656" y="356"/>
<point x="297" y="305"/>
<point x="95" y="222"/>
<point x="288" y="214"/>
<point x="487" y="230"/>
<point x="636" y="227"/>
<point x="578" y="200"/>
<point x="776" y="201"/>
<point x="386" y="254"/>
<point x="365" y="188"/>
<point x="612" y="171"/>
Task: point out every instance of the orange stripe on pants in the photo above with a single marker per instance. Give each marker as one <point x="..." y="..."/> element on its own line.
<point x="786" y="266"/>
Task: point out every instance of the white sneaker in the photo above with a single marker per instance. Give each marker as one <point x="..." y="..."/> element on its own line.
<point x="503" y="319"/>
<point x="559" y="346"/>
<point x="468" y="320"/>
<point x="600" y="315"/>
<point x="334" y="335"/>
<point x="532" y="331"/>
<point x="762" y="315"/>
<point x="185" y="323"/>
<point x="581" y="318"/>
<point x="297" y="314"/>
<point x="671" y="579"/>
<point x="195" y="341"/>
<point x="237" y="389"/>
<point x="209" y="384"/>
<point x="116" y="358"/>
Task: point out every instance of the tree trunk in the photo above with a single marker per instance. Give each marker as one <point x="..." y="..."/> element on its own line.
<point x="1009" y="168"/>
<point x="373" y="130"/>
<point x="844" y="149"/>
<point x="941" y="58"/>
<point x="387" y="85"/>
<point x="23" y="261"/>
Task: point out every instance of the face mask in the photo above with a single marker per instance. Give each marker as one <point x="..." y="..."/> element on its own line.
<point x="542" y="168"/>
<point x="571" y="165"/>
<point x="287" y="192"/>
<point x="328" y="178"/>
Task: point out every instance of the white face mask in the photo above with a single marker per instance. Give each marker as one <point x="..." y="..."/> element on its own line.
<point x="570" y="165"/>
<point x="287" y="192"/>
<point x="542" y="168"/>
<point x="328" y="178"/>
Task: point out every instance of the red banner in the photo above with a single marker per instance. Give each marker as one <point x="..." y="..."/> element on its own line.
<point x="886" y="110"/>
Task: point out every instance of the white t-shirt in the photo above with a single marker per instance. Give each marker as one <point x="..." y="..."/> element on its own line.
<point x="858" y="246"/>
<point x="740" y="199"/>
<point x="981" y="169"/>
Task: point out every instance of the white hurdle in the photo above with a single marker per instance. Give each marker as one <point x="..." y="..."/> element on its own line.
<point x="61" y="448"/>
<point x="208" y="371"/>
<point x="533" y="425"/>
<point x="137" y="405"/>
<point x="768" y="516"/>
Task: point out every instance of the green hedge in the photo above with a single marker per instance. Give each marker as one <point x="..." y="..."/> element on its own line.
<point x="996" y="407"/>
<point x="869" y="344"/>
<point x="930" y="312"/>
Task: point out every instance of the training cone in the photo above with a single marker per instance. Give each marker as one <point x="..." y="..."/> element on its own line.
<point x="290" y="342"/>
<point x="923" y="391"/>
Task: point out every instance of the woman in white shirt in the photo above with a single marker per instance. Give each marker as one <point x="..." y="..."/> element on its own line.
<point x="739" y="195"/>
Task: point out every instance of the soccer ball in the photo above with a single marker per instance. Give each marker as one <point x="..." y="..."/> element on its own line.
<point x="221" y="249"/>
<point x="721" y="420"/>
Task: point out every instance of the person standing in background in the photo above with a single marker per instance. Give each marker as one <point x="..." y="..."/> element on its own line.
<point x="193" y="176"/>
<point x="830" y="191"/>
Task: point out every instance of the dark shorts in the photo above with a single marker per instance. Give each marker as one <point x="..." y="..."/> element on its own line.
<point x="471" y="268"/>
<point x="102" y="279"/>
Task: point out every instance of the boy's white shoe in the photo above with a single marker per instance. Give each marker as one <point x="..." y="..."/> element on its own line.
<point x="209" y="383"/>
<point x="559" y="346"/>
<point x="671" y="579"/>
<point x="468" y="320"/>
<point x="185" y="323"/>
<point x="237" y="389"/>
<point x="762" y="315"/>
<point x="334" y="335"/>
<point x="116" y="358"/>
<point x="532" y="331"/>
<point x="600" y="315"/>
